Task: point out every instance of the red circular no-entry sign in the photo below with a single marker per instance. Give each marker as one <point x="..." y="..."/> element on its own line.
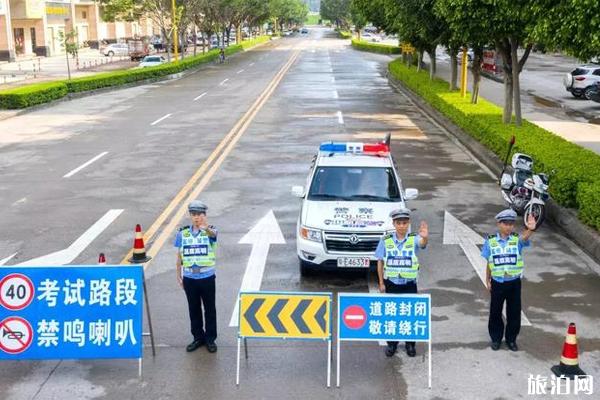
<point x="354" y="317"/>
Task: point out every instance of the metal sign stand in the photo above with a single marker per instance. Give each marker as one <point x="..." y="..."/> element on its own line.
<point x="151" y="333"/>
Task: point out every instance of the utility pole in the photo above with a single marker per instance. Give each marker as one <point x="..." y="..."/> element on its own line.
<point x="463" y="74"/>
<point x="175" y="33"/>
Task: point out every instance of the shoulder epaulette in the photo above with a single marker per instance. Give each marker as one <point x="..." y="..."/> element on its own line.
<point x="412" y="234"/>
<point x="491" y="236"/>
<point x="514" y="234"/>
<point x="184" y="228"/>
<point x="387" y="236"/>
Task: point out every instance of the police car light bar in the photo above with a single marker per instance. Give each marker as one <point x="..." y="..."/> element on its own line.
<point x="355" y="148"/>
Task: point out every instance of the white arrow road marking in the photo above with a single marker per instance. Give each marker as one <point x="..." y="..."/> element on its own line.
<point x="76" y="170"/>
<point x="340" y="117"/>
<point x="69" y="254"/>
<point x="455" y="232"/>
<point x="261" y="236"/>
<point x="5" y="260"/>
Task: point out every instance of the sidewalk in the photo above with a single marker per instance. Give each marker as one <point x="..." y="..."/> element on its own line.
<point x="541" y="110"/>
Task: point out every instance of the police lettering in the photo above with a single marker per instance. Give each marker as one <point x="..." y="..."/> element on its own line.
<point x="500" y="260"/>
<point x="402" y="262"/>
<point x="195" y="250"/>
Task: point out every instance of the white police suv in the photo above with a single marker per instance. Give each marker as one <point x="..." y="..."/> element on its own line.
<point x="350" y="191"/>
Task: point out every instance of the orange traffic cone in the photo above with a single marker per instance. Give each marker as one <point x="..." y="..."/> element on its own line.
<point x="101" y="259"/>
<point x="139" y="251"/>
<point x="569" y="361"/>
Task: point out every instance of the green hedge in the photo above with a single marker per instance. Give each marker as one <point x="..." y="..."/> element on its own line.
<point x="577" y="179"/>
<point x="26" y="96"/>
<point x="30" y="95"/>
<point x="375" y="47"/>
<point x="345" y="34"/>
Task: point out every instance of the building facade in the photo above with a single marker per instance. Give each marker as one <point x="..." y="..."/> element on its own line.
<point x="34" y="27"/>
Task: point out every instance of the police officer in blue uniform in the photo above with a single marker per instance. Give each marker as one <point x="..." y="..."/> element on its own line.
<point x="398" y="265"/>
<point x="196" y="245"/>
<point x="503" y="253"/>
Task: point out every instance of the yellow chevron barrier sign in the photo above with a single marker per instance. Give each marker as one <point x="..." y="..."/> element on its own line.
<point x="285" y="315"/>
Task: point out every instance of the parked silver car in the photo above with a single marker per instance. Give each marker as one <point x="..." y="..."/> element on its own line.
<point x="115" y="49"/>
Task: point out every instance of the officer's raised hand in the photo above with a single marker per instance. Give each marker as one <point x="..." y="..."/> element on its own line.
<point x="424" y="233"/>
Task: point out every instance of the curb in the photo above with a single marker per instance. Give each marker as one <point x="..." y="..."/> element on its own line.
<point x="565" y="218"/>
<point x="6" y="114"/>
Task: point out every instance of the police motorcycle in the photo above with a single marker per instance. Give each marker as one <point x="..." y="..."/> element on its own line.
<point x="524" y="191"/>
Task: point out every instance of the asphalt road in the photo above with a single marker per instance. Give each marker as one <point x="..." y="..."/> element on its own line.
<point x="288" y="95"/>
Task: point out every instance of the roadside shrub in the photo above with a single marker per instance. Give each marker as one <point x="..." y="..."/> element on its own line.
<point x="375" y="47"/>
<point x="30" y="95"/>
<point x="344" y="34"/>
<point x="577" y="179"/>
<point x="588" y="201"/>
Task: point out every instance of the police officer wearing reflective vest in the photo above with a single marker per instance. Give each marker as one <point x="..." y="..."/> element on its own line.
<point x="398" y="265"/>
<point x="196" y="245"/>
<point x="503" y="253"/>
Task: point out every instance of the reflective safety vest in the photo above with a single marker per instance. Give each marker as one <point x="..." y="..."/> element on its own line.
<point x="400" y="262"/>
<point x="197" y="252"/>
<point x="505" y="260"/>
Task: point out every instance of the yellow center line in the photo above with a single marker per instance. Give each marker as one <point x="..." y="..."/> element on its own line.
<point x="209" y="167"/>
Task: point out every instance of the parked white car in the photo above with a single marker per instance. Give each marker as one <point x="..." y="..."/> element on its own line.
<point x="152" y="61"/>
<point x="115" y="49"/>
<point x="580" y="82"/>
<point x="370" y="37"/>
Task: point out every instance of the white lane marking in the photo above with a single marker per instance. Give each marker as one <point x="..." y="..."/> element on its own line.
<point x="251" y="64"/>
<point x="82" y="166"/>
<point x="265" y="232"/>
<point x="455" y="232"/>
<point x="160" y="119"/>
<point x="340" y="117"/>
<point x="335" y="94"/>
<point x="69" y="254"/>
<point x="222" y="83"/>
<point x="374" y="288"/>
<point x="5" y="260"/>
<point x="16" y="203"/>
<point x="201" y="96"/>
<point x="240" y="71"/>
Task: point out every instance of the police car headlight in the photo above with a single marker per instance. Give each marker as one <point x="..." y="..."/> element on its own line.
<point x="311" y="234"/>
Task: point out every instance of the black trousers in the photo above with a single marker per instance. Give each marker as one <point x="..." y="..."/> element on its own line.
<point x="391" y="287"/>
<point x="201" y="293"/>
<point x="511" y="293"/>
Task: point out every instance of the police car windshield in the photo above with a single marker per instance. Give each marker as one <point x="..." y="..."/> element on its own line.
<point x="354" y="184"/>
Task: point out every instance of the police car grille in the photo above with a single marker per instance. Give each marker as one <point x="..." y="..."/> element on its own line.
<point x="340" y="242"/>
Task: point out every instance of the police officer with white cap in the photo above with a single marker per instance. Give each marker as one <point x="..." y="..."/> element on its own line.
<point x="398" y="265"/>
<point x="503" y="253"/>
<point x="196" y="245"/>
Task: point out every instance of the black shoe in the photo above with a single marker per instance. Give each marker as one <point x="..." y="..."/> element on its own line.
<point x="194" y="345"/>
<point x="410" y="350"/>
<point x="211" y="347"/>
<point x="512" y="346"/>
<point x="495" y="346"/>
<point x="390" y="350"/>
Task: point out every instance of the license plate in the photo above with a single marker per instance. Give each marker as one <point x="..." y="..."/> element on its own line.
<point x="353" y="262"/>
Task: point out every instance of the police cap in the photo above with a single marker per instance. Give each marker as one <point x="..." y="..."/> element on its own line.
<point x="506" y="215"/>
<point x="400" y="213"/>
<point x="197" y="206"/>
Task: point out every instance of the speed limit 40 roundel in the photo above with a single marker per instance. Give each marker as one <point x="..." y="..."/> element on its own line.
<point x="16" y="292"/>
